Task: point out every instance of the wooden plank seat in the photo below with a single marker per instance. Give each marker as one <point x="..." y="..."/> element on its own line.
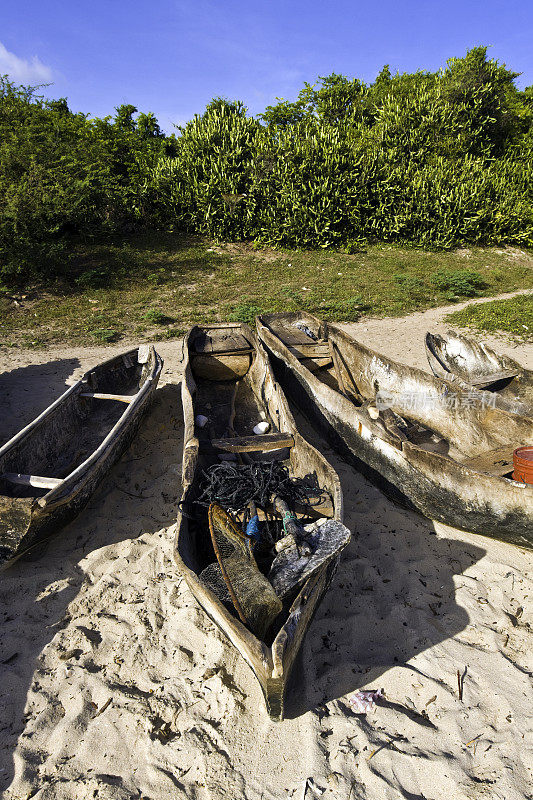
<point x="496" y="462"/>
<point x="322" y="509"/>
<point x="494" y="377"/>
<point x="37" y="481"/>
<point x="122" y="398"/>
<point x="314" y="364"/>
<point x="290" y="335"/>
<point x="249" y="444"/>
<point x="311" y="350"/>
<point x="221" y="342"/>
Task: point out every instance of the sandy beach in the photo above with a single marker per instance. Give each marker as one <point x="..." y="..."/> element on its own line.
<point x="115" y="685"/>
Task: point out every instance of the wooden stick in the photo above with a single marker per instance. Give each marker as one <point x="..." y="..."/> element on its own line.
<point x="336" y="364"/>
<point x="354" y="391"/>
<point x="250" y="444"/>
<point x="122" y="398"/>
<point x="37" y="481"/>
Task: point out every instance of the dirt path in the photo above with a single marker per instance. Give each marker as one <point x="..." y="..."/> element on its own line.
<point x="402" y="338"/>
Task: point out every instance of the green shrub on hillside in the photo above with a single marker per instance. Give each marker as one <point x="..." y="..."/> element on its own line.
<point x="62" y="174"/>
<point x="436" y="160"/>
<point x="432" y="159"/>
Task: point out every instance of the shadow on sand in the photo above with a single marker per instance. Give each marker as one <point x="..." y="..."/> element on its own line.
<point x="26" y="391"/>
<point x="35" y="594"/>
<point x="393" y="595"/>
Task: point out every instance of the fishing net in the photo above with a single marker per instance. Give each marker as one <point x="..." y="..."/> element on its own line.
<point x="236" y="485"/>
<point x="235" y="577"/>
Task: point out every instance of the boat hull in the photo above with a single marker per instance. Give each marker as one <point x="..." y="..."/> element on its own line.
<point x="475" y="366"/>
<point x="436" y="485"/>
<point x="270" y="663"/>
<point x="27" y="522"/>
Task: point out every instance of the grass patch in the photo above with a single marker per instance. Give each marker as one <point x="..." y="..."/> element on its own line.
<point x="458" y="283"/>
<point x="513" y="316"/>
<point x="157" y="317"/>
<point x="153" y="286"/>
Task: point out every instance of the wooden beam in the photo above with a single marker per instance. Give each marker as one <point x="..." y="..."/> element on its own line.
<point x="352" y="393"/>
<point x="122" y="398"/>
<point x="36" y="481"/>
<point x="494" y="377"/>
<point x="311" y="350"/>
<point x="314" y="364"/>
<point x="249" y="444"/>
<point x="222" y="342"/>
<point x="323" y="509"/>
<point x="336" y="364"/>
<point x="224" y="353"/>
<point x="143" y="353"/>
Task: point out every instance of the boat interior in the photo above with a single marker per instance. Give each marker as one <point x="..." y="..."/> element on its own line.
<point x="480" y="366"/>
<point x="64" y="437"/>
<point x="408" y="403"/>
<point x="233" y="393"/>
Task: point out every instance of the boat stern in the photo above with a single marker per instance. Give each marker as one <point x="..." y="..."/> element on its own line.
<point x="15" y="522"/>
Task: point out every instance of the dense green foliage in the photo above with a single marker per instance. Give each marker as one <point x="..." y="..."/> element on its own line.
<point x="62" y="174"/>
<point x="433" y="159"/>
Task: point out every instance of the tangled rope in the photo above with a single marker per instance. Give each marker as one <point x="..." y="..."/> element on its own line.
<point x="234" y="486"/>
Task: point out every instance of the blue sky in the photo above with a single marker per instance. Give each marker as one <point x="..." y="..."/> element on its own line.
<point x="172" y="56"/>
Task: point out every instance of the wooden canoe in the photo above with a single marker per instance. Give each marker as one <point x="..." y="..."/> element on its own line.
<point x="425" y="440"/>
<point x="479" y="368"/>
<point x="50" y="469"/>
<point x="228" y="379"/>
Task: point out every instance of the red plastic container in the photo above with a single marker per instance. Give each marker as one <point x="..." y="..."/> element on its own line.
<point x="523" y="464"/>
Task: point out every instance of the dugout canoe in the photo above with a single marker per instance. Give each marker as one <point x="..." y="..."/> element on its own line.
<point x="227" y="378"/>
<point x="425" y="440"/>
<point x="50" y="469"/>
<point x="477" y="367"/>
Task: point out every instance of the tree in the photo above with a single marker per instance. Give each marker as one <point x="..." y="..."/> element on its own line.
<point x="148" y="127"/>
<point x="124" y="117"/>
<point x="487" y="92"/>
<point x="334" y="99"/>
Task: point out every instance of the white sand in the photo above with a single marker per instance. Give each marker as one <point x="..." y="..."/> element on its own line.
<point x="114" y="685"/>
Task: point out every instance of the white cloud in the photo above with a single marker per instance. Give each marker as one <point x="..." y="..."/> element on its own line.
<point x="23" y="70"/>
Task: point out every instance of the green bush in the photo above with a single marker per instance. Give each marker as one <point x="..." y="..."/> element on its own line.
<point x="410" y="285"/>
<point x="157" y="317"/>
<point x="458" y="282"/>
<point x="246" y="311"/>
<point x="105" y="335"/>
<point x="436" y="160"/>
<point x="93" y="279"/>
<point x="62" y="174"/>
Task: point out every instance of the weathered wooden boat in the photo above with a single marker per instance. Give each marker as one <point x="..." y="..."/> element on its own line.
<point x="50" y="469"/>
<point x="477" y="367"/>
<point x="228" y="389"/>
<point x="425" y="440"/>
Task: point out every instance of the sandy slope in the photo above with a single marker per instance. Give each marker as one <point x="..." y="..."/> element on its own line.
<point x="114" y="685"/>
